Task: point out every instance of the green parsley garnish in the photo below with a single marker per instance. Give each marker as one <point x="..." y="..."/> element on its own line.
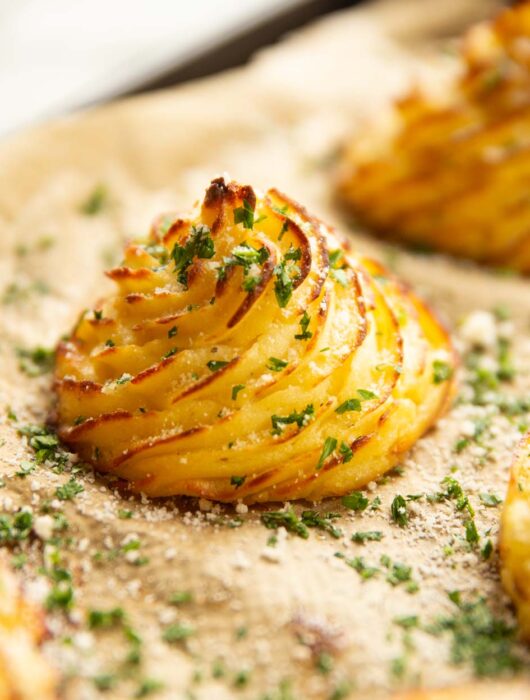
<point x="275" y="364"/>
<point x="35" y="362"/>
<point x="323" y="521"/>
<point x="288" y="519"/>
<point x="180" y="598"/>
<point x="299" y="418"/>
<point x="442" y="371"/>
<point x="177" y="633"/>
<point x="355" y="501"/>
<point x="96" y="201"/>
<point x="490" y="499"/>
<point x="105" y="619"/>
<point x="348" y="405"/>
<point x="244" y="215"/>
<point x="237" y="481"/>
<point x="199" y="245"/>
<point x="399" y="512"/>
<point x="479" y="638"/>
<point x="346" y="452"/>
<point x="368" y="536"/>
<point x="236" y="389"/>
<point x="330" y="443"/>
<point x="304" y="325"/>
<point x="69" y="491"/>
<point x="172" y="332"/>
<point x="216" y="365"/>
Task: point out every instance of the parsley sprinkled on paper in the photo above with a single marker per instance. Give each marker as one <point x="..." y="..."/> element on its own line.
<point x="96" y="201"/>
<point x="69" y="490"/>
<point x="368" y="536"/>
<point x="35" y="362"/>
<point x="399" y="511"/>
<point x="285" y="518"/>
<point x="355" y="501"/>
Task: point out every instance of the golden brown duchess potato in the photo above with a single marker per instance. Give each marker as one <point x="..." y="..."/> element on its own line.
<point x="515" y="536"/>
<point x="24" y="675"/>
<point x="495" y="690"/>
<point x="248" y="354"/>
<point x="452" y="172"/>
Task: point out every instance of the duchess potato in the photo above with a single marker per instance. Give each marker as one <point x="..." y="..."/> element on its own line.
<point x="248" y="354"/>
<point x="452" y="172"/>
<point x="24" y="675"/>
<point x="515" y="537"/>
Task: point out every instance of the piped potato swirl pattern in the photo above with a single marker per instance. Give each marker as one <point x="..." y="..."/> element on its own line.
<point x="24" y="674"/>
<point x="515" y="536"/>
<point x="451" y="171"/>
<point x="249" y="354"/>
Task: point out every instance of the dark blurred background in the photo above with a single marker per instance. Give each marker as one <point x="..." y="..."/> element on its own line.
<point x="61" y="56"/>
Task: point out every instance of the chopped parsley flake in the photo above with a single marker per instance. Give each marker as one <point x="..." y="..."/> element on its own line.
<point x="236" y="389"/>
<point x="180" y="598"/>
<point x="177" y="632"/>
<point x="368" y="536"/>
<point x="323" y="521"/>
<point x="399" y="512"/>
<point x="346" y="452"/>
<point x="304" y="325"/>
<point x="237" y="481"/>
<point x="96" y="202"/>
<point x="490" y="499"/>
<point x="244" y="215"/>
<point x="283" y="285"/>
<point x="299" y="418"/>
<point x="442" y="371"/>
<point x="216" y="365"/>
<point x="172" y="332"/>
<point x="35" y="362"/>
<point x="356" y="501"/>
<point x="199" y="245"/>
<point x="285" y="518"/>
<point x="275" y="364"/>
<point x="330" y="443"/>
<point x="479" y="638"/>
<point x="69" y="490"/>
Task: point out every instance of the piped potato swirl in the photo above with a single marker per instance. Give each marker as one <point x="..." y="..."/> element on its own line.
<point x="449" y="171"/>
<point x="249" y="354"/>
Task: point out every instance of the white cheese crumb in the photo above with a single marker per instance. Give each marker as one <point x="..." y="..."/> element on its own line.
<point x="241" y="508"/>
<point x="170" y="553"/>
<point x="479" y="329"/>
<point x="240" y="560"/>
<point x="43" y="527"/>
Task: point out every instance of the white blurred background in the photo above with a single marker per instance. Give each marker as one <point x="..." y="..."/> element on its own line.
<point x="56" y="55"/>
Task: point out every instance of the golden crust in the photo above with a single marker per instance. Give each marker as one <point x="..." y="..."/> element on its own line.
<point x="24" y="675"/>
<point x="452" y="172"/>
<point x="495" y="690"/>
<point x="170" y="383"/>
<point x="515" y="537"/>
